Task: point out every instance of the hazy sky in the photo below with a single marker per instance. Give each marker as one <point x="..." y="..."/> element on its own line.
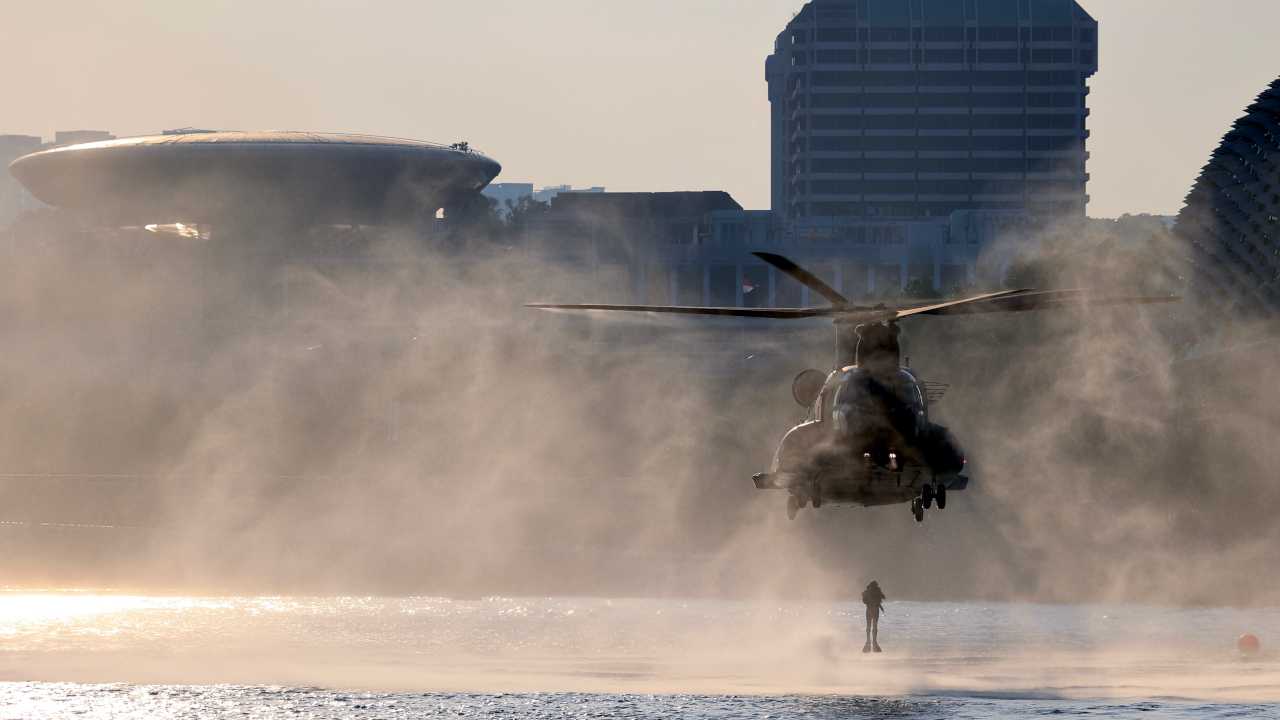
<point x="654" y="95"/>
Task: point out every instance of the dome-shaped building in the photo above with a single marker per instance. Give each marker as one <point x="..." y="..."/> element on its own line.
<point x="1231" y="221"/>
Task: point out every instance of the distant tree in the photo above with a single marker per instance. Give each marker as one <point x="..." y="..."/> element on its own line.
<point x="521" y="214"/>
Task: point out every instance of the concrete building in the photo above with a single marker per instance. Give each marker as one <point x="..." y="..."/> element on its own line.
<point x="694" y="248"/>
<point x="14" y="198"/>
<point x="890" y="116"/>
<point x="506" y="194"/>
<point x="549" y="193"/>
<point x="75" y="137"/>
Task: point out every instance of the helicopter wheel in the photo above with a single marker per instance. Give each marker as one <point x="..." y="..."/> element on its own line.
<point x="917" y="509"/>
<point x="926" y="496"/>
<point x="793" y="507"/>
<point x="941" y="496"/>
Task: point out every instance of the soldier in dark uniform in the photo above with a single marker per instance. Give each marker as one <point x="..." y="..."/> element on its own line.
<point x="873" y="598"/>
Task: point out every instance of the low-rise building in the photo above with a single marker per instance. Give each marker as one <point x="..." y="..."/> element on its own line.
<point x="14" y="199"/>
<point x="695" y="248"/>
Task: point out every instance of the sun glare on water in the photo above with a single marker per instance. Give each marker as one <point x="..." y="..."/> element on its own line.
<point x="24" y="612"/>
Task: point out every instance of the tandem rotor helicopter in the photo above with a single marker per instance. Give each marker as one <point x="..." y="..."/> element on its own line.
<point x="867" y="438"/>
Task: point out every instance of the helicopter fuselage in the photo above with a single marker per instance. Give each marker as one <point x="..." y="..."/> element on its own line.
<point x="867" y="440"/>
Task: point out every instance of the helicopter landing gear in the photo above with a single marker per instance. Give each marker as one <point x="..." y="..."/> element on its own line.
<point x="917" y="509"/>
<point x="926" y="496"/>
<point x="940" y="495"/>
<point x="793" y="507"/>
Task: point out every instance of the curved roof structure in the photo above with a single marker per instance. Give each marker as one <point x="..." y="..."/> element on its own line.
<point x="1232" y="217"/>
<point x="220" y="177"/>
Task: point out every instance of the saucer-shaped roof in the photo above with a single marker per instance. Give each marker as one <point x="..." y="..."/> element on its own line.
<point x="323" y="178"/>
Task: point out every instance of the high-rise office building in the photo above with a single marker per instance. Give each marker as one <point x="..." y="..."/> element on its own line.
<point x="905" y="110"/>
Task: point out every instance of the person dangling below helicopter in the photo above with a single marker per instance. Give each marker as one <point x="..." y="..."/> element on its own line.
<point x="873" y="597"/>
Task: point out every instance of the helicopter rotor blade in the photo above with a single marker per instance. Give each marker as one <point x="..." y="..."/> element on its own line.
<point x="768" y="313"/>
<point x="1026" y="300"/>
<point x="804" y="277"/>
<point x="997" y="302"/>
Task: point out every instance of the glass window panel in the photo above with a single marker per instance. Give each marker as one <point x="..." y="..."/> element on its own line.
<point x="886" y="79"/>
<point x="889" y="122"/>
<point x="998" y="34"/>
<point x="1051" y="55"/>
<point x="998" y="77"/>
<point x="944" y="34"/>
<point x="943" y="56"/>
<point x="999" y="100"/>
<point x="1051" y="122"/>
<point x="943" y="77"/>
<point x="943" y="122"/>
<point x="1051" y="11"/>
<point x="998" y="187"/>
<point x="837" y="122"/>
<point x="833" y="209"/>
<point x="1009" y="55"/>
<point x="889" y="12"/>
<point x="997" y="12"/>
<point x="890" y="34"/>
<point x="940" y="143"/>
<point x="943" y="187"/>
<point x="890" y="56"/>
<point x="843" y="57"/>
<point x="943" y="12"/>
<point x="1053" y="77"/>
<point x="1053" y="144"/>
<point x="836" y="144"/>
<point x="844" y="35"/>
<point x="889" y="100"/>
<point x="999" y="143"/>
<point x="998" y="122"/>
<point x="886" y="143"/>
<point x="824" y="100"/>
<point x="945" y="100"/>
<point x="1040" y="100"/>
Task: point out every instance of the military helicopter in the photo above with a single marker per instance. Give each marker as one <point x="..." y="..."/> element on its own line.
<point x="867" y="438"/>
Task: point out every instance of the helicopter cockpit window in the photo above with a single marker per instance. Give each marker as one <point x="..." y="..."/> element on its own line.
<point x="825" y="403"/>
<point x="869" y="392"/>
<point x="908" y="391"/>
